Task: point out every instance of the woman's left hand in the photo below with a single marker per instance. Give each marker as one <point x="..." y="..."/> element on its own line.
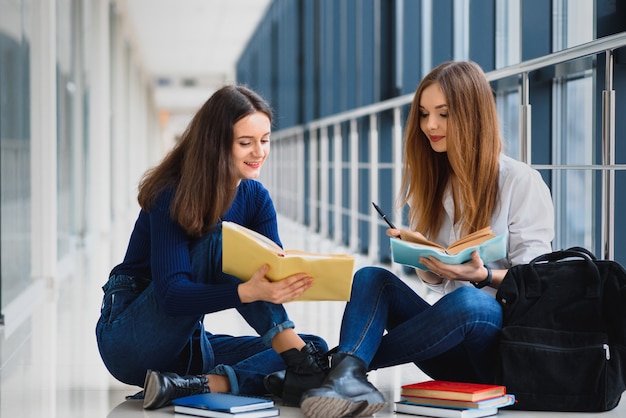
<point x="260" y="287"/>
<point x="473" y="270"/>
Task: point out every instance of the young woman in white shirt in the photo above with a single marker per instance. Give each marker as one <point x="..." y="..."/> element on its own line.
<point x="455" y="181"/>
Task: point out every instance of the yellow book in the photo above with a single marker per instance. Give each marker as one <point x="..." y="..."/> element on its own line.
<point x="244" y="251"/>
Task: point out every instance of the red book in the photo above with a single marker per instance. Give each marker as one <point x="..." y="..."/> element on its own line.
<point x="459" y="391"/>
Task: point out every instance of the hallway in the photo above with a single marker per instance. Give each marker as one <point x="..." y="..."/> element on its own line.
<point x="51" y="367"/>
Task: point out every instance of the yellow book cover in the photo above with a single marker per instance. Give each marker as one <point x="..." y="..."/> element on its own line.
<point x="244" y="251"/>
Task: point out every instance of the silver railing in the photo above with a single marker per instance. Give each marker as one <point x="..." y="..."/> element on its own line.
<point x="308" y="179"/>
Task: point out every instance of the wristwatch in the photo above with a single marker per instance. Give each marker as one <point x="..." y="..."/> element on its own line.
<point x="486" y="282"/>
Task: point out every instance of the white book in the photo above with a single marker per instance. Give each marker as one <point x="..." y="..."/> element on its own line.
<point x="440" y="412"/>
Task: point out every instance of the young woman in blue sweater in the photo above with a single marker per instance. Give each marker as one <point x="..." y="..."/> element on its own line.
<point x="151" y="329"/>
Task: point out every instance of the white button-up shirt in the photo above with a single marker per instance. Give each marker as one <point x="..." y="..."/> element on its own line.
<point x="524" y="212"/>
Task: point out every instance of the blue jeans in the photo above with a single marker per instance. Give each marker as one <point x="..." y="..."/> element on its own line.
<point x="454" y="339"/>
<point x="134" y="334"/>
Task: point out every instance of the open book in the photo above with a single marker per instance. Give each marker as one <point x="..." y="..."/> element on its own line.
<point x="244" y="251"/>
<point x="412" y="245"/>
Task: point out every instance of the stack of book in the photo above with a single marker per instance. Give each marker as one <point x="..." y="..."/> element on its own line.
<point x="225" y="405"/>
<point x="438" y="398"/>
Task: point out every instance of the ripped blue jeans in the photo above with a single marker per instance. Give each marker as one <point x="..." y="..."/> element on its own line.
<point x="135" y="335"/>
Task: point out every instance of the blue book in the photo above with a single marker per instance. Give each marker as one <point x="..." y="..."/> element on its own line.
<point x="413" y="245"/>
<point x="224" y="403"/>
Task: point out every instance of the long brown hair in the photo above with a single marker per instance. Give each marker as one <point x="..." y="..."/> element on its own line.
<point x="199" y="168"/>
<point x="473" y="146"/>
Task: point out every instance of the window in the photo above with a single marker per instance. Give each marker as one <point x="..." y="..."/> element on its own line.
<point x="572" y="112"/>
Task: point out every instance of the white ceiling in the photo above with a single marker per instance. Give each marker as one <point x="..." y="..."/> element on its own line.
<point x="197" y="42"/>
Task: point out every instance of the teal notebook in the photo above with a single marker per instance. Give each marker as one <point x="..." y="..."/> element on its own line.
<point x="408" y="253"/>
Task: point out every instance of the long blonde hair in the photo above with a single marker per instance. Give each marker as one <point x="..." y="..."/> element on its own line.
<point x="473" y="146"/>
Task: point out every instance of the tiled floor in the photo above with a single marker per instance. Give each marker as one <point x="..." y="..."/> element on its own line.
<point x="50" y="365"/>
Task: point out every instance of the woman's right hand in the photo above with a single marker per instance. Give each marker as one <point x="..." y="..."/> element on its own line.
<point x="260" y="287"/>
<point x="393" y="232"/>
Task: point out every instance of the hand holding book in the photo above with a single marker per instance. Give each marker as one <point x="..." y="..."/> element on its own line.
<point x="260" y="288"/>
<point x="244" y="251"/>
<point x="412" y="245"/>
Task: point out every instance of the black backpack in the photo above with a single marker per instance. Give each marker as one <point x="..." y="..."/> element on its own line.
<point x="563" y="341"/>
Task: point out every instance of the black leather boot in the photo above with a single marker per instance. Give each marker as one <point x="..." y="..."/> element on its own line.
<point x="345" y="391"/>
<point x="161" y="388"/>
<point x="275" y="382"/>
<point x="306" y="369"/>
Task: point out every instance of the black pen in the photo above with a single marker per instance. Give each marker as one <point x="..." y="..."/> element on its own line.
<point x="381" y="213"/>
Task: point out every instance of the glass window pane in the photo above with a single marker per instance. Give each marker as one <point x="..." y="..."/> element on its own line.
<point x="508" y="51"/>
<point x="508" y="112"/>
<point x="579" y="22"/>
<point x="15" y="38"/>
<point x="573" y="23"/>
<point x="575" y="205"/>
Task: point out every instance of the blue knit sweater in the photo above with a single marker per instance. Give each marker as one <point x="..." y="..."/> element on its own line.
<point x="159" y="250"/>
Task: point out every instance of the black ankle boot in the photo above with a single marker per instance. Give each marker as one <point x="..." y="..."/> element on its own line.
<point x="275" y="382"/>
<point x="161" y="388"/>
<point x="306" y="369"/>
<point x="345" y="391"/>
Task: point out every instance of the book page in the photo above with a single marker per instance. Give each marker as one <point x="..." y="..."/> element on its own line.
<point x="417" y="238"/>
<point x="260" y="238"/>
<point x="307" y="254"/>
<point x="467" y="241"/>
<point x="471" y="240"/>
